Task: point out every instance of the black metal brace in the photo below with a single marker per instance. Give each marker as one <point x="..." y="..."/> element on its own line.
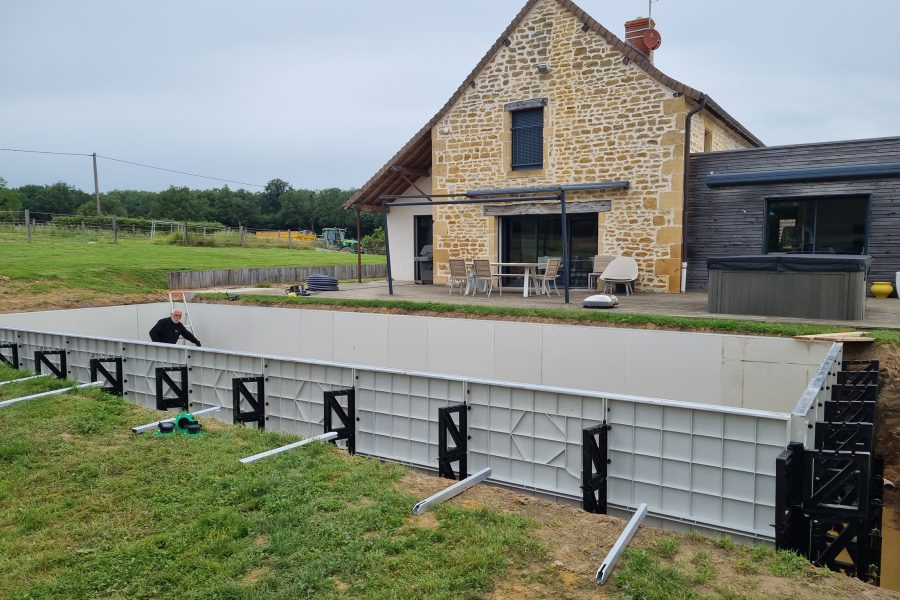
<point x="840" y="483"/>
<point x="847" y="392"/>
<point x="115" y="381"/>
<point x="850" y="411"/>
<point x="41" y="360"/>
<point x="257" y="402"/>
<point x="13" y="359"/>
<point x="180" y="388"/>
<point x="859" y="372"/>
<point x="594" y="463"/>
<point x="848" y="437"/>
<point x="791" y="524"/>
<point x="459" y="434"/>
<point x="347" y="417"/>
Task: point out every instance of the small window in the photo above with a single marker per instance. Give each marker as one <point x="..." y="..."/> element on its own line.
<point x="707" y="140"/>
<point x="836" y="225"/>
<point x="528" y="139"/>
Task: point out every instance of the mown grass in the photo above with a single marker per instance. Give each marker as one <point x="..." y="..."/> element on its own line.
<point x="623" y="319"/>
<point x="88" y="510"/>
<point x="137" y="266"/>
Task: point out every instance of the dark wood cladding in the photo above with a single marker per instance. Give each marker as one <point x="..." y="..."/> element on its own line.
<point x="730" y="221"/>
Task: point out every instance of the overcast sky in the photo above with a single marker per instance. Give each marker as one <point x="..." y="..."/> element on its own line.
<point x="322" y="93"/>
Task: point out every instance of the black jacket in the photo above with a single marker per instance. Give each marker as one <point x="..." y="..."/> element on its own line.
<point x="167" y="331"/>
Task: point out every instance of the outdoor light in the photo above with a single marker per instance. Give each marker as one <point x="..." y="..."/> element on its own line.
<point x="543" y="68"/>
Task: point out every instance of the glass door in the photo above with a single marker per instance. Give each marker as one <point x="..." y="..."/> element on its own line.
<point x="533" y="238"/>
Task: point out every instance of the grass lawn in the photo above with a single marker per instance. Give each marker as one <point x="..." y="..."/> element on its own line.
<point x="89" y="510"/>
<point x="82" y="270"/>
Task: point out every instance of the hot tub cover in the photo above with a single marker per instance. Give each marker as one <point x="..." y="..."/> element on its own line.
<point x="792" y="263"/>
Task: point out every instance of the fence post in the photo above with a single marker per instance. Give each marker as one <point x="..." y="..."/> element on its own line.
<point x="184" y="237"/>
<point x="241" y="230"/>
<point x="27" y="225"/>
<point x="115" y="227"/>
<point x="289" y="239"/>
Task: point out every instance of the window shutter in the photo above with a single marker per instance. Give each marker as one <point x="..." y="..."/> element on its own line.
<point x="528" y="139"/>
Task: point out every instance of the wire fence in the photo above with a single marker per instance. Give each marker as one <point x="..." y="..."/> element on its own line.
<point x="34" y="227"/>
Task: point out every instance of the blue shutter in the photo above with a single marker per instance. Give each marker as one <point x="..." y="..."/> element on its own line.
<point x="527" y="139"/>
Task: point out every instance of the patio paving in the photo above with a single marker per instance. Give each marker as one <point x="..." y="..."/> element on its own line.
<point x="880" y="314"/>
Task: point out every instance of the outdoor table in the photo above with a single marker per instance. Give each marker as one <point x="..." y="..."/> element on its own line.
<point x="527" y="266"/>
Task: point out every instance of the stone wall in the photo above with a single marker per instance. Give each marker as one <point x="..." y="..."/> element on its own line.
<point x="604" y="121"/>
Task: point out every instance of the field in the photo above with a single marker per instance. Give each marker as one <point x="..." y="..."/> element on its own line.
<point x="81" y="269"/>
<point x="89" y="510"/>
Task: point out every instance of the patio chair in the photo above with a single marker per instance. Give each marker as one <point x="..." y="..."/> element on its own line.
<point x="483" y="274"/>
<point x="549" y="276"/>
<point x="601" y="261"/>
<point x="459" y="275"/>
<point x="622" y="269"/>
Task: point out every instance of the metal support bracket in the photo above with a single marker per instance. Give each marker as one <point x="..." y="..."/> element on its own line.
<point x="594" y="460"/>
<point x="114" y="380"/>
<point x="347" y="417"/>
<point x="458" y="432"/>
<point x="41" y="360"/>
<point x="257" y="401"/>
<point x="791" y="524"/>
<point x="11" y="358"/>
<point x="179" y="388"/>
<point x="841" y="436"/>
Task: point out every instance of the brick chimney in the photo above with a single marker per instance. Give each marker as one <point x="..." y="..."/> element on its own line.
<point x="634" y="32"/>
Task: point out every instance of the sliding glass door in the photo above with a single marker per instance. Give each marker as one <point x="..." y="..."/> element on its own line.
<point x="530" y="238"/>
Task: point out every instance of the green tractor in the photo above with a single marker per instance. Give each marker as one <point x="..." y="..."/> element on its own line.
<point x="336" y="239"/>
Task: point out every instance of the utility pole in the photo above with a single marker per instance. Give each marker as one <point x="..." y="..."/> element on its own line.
<point x="96" y="183"/>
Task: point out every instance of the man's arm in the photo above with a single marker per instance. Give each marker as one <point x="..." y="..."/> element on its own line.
<point x="156" y="331"/>
<point x="187" y="334"/>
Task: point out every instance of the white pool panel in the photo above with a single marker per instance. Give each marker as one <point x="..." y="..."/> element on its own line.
<point x="695" y="463"/>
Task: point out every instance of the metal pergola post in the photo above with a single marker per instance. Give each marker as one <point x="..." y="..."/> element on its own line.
<point x="565" y="241"/>
<point x="387" y="246"/>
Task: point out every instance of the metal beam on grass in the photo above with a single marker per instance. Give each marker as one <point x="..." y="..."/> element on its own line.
<point x="324" y="437"/>
<point x="64" y="390"/>
<point x="618" y="548"/>
<point x="7" y="382"/>
<point x="454" y="490"/>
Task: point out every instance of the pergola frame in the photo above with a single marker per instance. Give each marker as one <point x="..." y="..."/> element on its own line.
<point x="556" y="193"/>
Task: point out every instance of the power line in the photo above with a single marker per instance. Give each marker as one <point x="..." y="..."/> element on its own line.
<point x="44" y="152"/>
<point x="128" y="162"/>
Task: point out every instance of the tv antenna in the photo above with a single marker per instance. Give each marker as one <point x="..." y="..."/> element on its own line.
<point x="650" y="8"/>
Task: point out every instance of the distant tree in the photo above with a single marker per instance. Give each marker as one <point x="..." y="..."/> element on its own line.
<point x="270" y="200"/>
<point x="108" y="206"/>
<point x="10" y="200"/>
<point x="59" y="198"/>
<point x="135" y="202"/>
<point x="180" y="204"/>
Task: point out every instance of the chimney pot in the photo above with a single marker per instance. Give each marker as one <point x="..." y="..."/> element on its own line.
<point x="634" y="34"/>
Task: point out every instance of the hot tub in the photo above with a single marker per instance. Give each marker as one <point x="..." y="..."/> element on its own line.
<point x="814" y="286"/>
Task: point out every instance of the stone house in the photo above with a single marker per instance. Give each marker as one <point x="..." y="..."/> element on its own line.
<point x="558" y="100"/>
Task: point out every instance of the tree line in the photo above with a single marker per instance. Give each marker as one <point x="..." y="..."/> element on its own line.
<point x="277" y="206"/>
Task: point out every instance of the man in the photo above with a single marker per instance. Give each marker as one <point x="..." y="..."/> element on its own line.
<point x="168" y="330"/>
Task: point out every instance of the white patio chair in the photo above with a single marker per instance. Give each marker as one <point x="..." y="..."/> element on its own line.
<point x="622" y="269"/>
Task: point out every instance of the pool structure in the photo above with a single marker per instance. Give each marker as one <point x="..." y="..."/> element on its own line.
<point x="692" y="424"/>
